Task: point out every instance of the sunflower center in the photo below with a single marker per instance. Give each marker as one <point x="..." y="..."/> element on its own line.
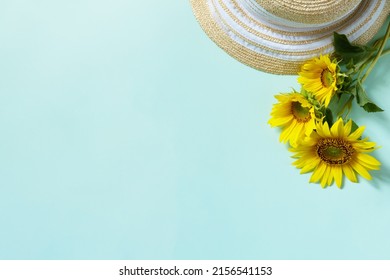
<point x="327" y="78"/>
<point x="300" y="113"/>
<point x="335" y="151"/>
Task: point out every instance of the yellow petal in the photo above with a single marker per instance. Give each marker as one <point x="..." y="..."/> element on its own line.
<point x="325" y="130"/>
<point x="368" y="159"/>
<point x="318" y="173"/>
<point x="347" y="128"/>
<point x="327" y="178"/>
<point x="348" y="171"/>
<point x="361" y="170"/>
<point x="280" y="121"/>
<point x="284" y="136"/>
<point x="338" y="175"/>
<point x="357" y="133"/>
<point x="337" y="127"/>
<point x="330" y="176"/>
<point x="296" y="135"/>
<point x="365" y="146"/>
<point x="310" y="165"/>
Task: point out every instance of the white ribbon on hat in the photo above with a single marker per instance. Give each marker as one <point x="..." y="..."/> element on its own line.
<point x="263" y="46"/>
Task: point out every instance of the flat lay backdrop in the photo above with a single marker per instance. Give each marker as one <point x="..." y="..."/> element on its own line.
<point x="127" y="134"/>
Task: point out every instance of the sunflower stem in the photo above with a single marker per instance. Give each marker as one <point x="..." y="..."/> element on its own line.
<point x="378" y="55"/>
<point x="362" y="66"/>
<point x="385" y="52"/>
<point x="347" y="105"/>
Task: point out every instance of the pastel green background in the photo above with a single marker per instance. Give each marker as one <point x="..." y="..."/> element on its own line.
<point x="127" y="134"/>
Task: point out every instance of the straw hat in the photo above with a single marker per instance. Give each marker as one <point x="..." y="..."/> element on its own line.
<point x="277" y="36"/>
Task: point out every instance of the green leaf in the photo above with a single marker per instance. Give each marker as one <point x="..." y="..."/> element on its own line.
<point x="363" y="100"/>
<point x="350" y="54"/>
<point x="354" y="126"/>
<point x="371" y="107"/>
<point x="329" y="116"/>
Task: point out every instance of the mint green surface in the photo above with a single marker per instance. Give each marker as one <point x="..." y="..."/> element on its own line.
<point x="127" y="134"/>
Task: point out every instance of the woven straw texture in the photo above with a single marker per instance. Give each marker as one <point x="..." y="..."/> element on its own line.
<point x="256" y="36"/>
<point x="309" y="11"/>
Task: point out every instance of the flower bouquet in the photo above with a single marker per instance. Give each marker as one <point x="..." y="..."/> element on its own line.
<point x="315" y="121"/>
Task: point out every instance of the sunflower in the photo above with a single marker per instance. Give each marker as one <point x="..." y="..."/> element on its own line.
<point x="330" y="153"/>
<point x="319" y="76"/>
<point x="295" y="115"/>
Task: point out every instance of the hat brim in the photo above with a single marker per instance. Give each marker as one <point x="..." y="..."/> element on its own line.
<point x="283" y="50"/>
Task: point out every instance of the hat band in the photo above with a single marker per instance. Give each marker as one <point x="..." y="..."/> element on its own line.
<point x="250" y="30"/>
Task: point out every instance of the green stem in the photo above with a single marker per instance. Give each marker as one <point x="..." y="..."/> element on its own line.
<point x="366" y="62"/>
<point x="385" y="52"/>
<point x="378" y="55"/>
<point x="363" y="66"/>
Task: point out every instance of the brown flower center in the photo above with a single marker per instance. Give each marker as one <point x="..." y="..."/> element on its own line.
<point x="300" y="113"/>
<point x="327" y="78"/>
<point x="334" y="151"/>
